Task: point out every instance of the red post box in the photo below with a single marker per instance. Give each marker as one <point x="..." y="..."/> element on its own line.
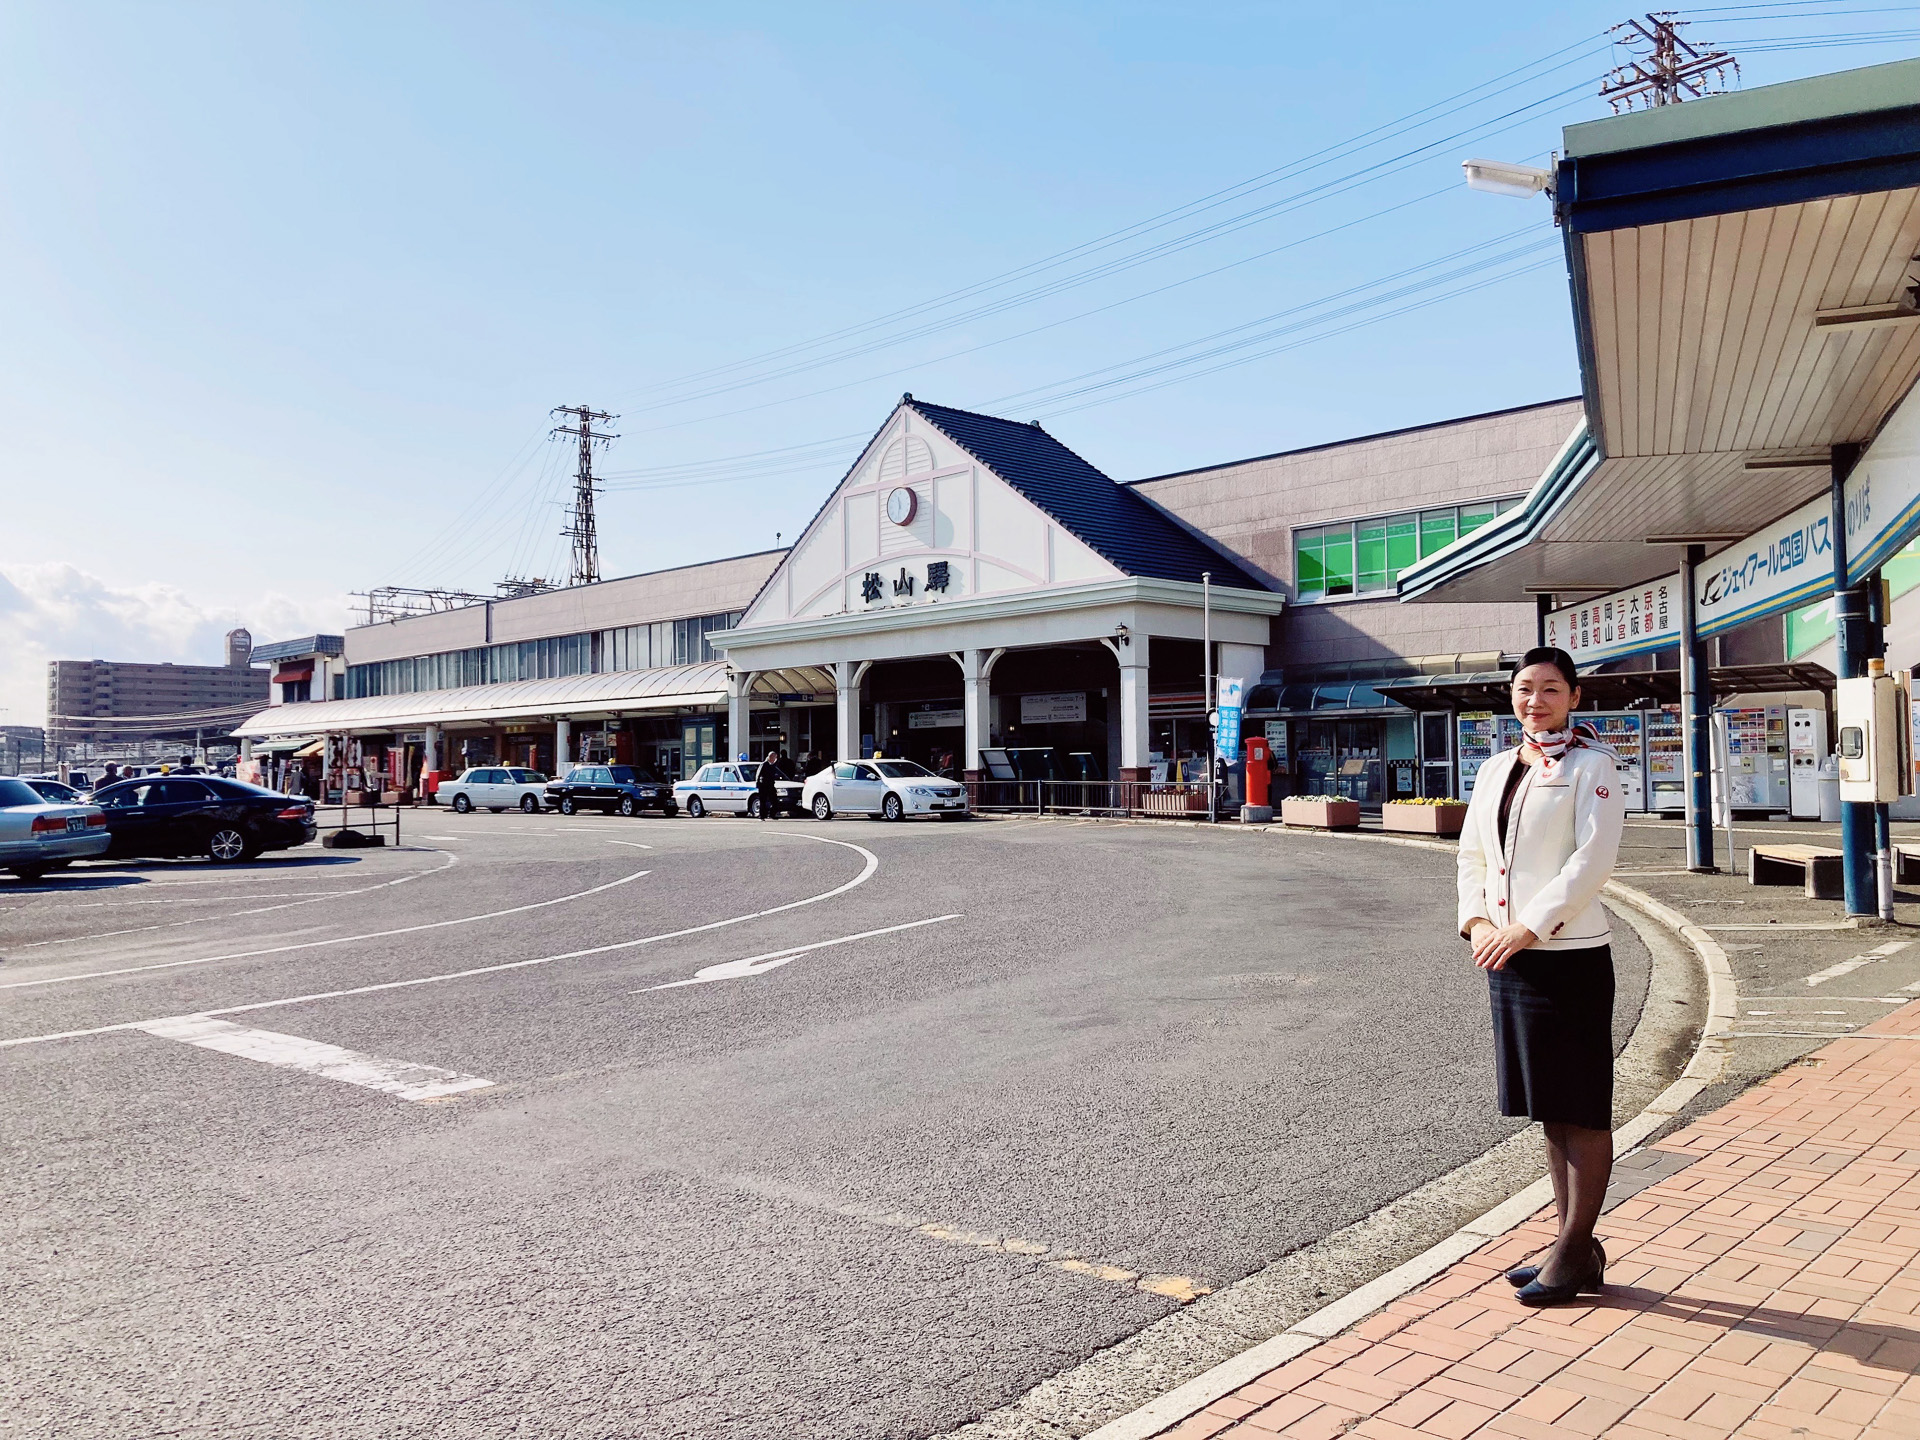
<point x="1259" y="770"/>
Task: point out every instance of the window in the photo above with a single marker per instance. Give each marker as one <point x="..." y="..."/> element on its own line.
<point x="1366" y="557"/>
<point x="1438" y="529"/>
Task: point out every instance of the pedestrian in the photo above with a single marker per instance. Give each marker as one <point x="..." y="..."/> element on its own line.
<point x="1540" y="839"/>
<point x="766" y="786"/>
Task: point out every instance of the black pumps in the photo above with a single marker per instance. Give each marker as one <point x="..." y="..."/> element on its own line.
<point x="1526" y="1279"/>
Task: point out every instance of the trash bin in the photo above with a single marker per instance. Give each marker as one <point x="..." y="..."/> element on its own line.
<point x="1830" y="790"/>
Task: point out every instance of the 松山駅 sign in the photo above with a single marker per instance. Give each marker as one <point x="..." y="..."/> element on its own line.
<point x="1779" y="567"/>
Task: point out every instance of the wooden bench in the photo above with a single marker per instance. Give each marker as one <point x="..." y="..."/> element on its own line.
<point x="1822" y="869"/>
<point x="1906" y="864"/>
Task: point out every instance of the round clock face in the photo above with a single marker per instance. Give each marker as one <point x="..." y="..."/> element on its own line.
<point x="901" y="505"/>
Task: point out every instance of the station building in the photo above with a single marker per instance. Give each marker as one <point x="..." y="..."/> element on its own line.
<point x="974" y="583"/>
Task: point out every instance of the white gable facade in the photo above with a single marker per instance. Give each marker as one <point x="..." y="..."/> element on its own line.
<point x="923" y="551"/>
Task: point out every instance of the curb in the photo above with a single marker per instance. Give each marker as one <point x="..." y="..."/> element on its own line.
<point x="1707" y="1065"/>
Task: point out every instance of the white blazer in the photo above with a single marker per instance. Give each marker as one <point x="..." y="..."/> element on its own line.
<point x="1563" y="835"/>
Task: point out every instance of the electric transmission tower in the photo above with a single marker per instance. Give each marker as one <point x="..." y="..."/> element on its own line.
<point x="1669" y="71"/>
<point x="580" y="526"/>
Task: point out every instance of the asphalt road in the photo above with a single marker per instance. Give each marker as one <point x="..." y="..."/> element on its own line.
<point x="874" y="1188"/>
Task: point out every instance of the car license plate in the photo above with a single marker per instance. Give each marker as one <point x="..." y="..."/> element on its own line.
<point x="76" y="824"/>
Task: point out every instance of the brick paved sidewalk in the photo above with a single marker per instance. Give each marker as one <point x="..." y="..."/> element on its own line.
<point x="1769" y="1289"/>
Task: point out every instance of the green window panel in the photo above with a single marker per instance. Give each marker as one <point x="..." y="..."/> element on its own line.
<point x="1370" y="555"/>
<point x="1403" y="545"/>
<point x="1309" y="569"/>
<point x="1338" y="558"/>
<point x="1437" y="531"/>
<point x="1472" y="517"/>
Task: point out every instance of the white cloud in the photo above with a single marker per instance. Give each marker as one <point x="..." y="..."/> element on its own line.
<point x="61" y="612"/>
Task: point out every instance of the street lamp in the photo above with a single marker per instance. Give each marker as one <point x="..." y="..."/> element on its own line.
<point x="1496" y="177"/>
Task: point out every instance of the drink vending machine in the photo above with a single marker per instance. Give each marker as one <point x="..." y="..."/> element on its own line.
<point x="1758" y="773"/>
<point x="1621" y="732"/>
<point x="1481" y="735"/>
<point x="1666" y="768"/>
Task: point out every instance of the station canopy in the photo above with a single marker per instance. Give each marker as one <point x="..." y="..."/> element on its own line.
<point x="1742" y="271"/>
<point x="1619" y="690"/>
<point x="573" y="697"/>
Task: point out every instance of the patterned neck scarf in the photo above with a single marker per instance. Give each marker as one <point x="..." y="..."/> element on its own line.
<point x="1551" y="745"/>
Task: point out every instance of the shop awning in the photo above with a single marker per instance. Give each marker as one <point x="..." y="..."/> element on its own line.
<point x="1328" y="699"/>
<point x="1493" y="689"/>
<point x="293" y="674"/>
<point x="630" y="692"/>
<point x="311" y="751"/>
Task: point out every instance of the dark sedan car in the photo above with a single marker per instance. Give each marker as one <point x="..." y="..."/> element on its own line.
<point x="223" y="820"/>
<point x="623" y="788"/>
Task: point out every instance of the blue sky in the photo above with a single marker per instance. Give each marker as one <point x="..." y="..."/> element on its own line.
<point x="291" y="289"/>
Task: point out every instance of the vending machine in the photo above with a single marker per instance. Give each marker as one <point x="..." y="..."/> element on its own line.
<point x="1666" y="766"/>
<point x="1621" y="732"/>
<point x="1476" y="741"/>
<point x="1806" y="748"/>
<point x="1757" y="760"/>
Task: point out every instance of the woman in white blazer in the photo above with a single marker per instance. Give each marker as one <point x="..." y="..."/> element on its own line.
<point x="1540" y="839"/>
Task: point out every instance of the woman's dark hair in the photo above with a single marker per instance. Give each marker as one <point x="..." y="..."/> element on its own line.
<point x="1554" y="656"/>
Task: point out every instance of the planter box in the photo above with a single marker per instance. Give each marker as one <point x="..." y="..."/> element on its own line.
<point x="354" y="797"/>
<point x="1321" y="814"/>
<point x="389" y="797"/>
<point x="1423" y="819"/>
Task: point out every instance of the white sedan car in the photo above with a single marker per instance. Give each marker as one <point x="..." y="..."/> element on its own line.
<point x="888" y="789"/>
<point x="38" y="835"/>
<point x="495" y="788"/>
<point x="727" y="789"/>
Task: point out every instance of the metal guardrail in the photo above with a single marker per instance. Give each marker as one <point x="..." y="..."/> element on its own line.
<point x="1115" y="799"/>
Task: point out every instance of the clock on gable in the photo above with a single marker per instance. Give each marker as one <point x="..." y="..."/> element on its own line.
<point x="902" y="505"/>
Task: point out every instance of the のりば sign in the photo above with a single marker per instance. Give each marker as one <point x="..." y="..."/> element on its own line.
<point x="1778" y="567"/>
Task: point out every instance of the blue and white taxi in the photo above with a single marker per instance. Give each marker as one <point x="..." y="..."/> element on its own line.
<point x="882" y="789"/>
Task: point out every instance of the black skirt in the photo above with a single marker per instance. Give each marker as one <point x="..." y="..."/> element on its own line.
<point x="1553" y="1035"/>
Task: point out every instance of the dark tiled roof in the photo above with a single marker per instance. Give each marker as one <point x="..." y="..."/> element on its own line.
<point x="1120" y="525"/>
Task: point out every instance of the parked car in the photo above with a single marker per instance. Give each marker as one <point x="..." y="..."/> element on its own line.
<point x="38" y="835"/>
<point x="731" y="789"/>
<point x="625" y="789"/>
<point x="77" y="780"/>
<point x="224" y="820"/>
<point x="54" y="790"/>
<point x="495" y="788"/>
<point x="888" y="789"/>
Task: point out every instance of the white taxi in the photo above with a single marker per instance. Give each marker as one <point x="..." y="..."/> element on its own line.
<point x="882" y="789"/>
<point x="495" y="788"/>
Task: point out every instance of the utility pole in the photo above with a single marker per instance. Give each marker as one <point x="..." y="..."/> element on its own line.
<point x="580" y="526"/>
<point x="1670" y="71"/>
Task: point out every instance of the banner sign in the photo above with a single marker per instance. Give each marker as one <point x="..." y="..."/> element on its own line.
<point x="1782" y="566"/>
<point x="1227" y="739"/>
<point x="1626" y="622"/>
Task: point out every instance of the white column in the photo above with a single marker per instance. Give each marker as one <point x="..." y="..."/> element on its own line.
<point x="846" y="689"/>
<point x="431" y="760"/>
<point x="739" y="723"/>
<point x="562" y="748"/>
<point x="1133" y="707"/>
<point x="976" y="670"/>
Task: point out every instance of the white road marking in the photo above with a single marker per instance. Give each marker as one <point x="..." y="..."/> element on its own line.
<point x="452" y="860"/>
<point x="400" y="1078"/>
<point x="1847" y="967"/>
<point x="866" y="874"/>
<point x="634" y="843"/>
<point x="774" y="959"/>
<point x="315" y="944"/>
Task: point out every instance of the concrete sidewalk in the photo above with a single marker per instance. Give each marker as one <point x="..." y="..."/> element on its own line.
<point x="1765" y="1284"/>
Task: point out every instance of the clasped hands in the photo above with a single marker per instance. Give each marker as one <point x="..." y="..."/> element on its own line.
<point x="1494" y="945"/>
